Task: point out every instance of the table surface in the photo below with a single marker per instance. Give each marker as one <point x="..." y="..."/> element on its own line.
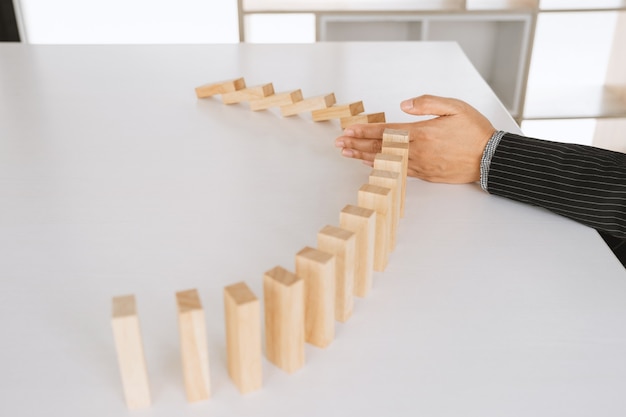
<point x="115" y="179"/>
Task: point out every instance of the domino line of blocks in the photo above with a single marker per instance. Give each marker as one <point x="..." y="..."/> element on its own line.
<point x="263" y="97"/>
<point x="299" y="307"/>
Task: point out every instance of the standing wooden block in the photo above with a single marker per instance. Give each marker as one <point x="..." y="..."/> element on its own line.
<point x="391" y="180"/>
<point x="130" y="354"/>
<point x="401" y="149"/>
<point x="317" y="269"/>
<point x="284" y="319"/>
<point x="309" y="104"/>
<point x="337" y="112"/>
<point x="396" y="135"/>
<point x="395" y="163"/>
<point x="342" y="244"/>
<point x="222" y="87"/>
<point x="362" y="119"/>
<point x="362" y="222"/>
<point x="378" y="199"/>
<point x="247" y="94"/>
<point x="242" y="312"/>
<point x="193" y="346"/>
<point x="275" y="100"/>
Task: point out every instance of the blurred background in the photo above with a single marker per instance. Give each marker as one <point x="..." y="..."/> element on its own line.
<point x="559" y="66"/>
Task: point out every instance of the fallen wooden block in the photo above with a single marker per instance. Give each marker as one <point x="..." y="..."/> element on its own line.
<point x="276" y="100"/>
<point x="337" y="112"/>
<point x="378" y="199"/>
<point x="308" y="104"/>
<point x="130" y="355"/>
<point x="401" y="149"/>
<point x="222" y="87"/>
<point x="362" y="119"/>
<point x="317" y="269"/>
<point x="242" y="313"/>
<point x="247" y="94"/>
<point x="362" y="222"/>
<point x="284" y="319"/>
<point x="193" y="346"/>
<point x="391" y="180"/>
<point x="342" y="244"/>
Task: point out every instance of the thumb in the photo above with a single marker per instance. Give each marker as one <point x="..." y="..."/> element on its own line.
<point x="428" y="105"/>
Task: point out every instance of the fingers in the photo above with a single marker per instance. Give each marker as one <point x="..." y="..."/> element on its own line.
<point x="428" y="105"/>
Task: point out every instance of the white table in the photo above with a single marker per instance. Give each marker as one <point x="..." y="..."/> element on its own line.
<point x="115" y="179"/>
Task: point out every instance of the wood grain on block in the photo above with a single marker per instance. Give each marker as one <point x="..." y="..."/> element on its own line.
<point x="308" y="104"/>
<point x="276" y="100"/>
<point x="130" y="354"/>
<point x="378" y="199"/>
<point x="317" y="269"/>
<point x="401" y="149"/>
<point x="362" y="222"/>
<point x="362" y="119"/>
<point x="193" y="345"/>
<point x="396" y="135"/>
<point x="222" y="87"/>
<point x="283" y="294"/>
<point x="337" y="112"/>
<point x="242" y="313"/>
<point x="391" y="180"/>
<point x="342" y="244"/>
<point x="248" y="94"/>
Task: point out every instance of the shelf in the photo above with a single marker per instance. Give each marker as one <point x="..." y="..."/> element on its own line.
<point x="370" y="28"/>
<point x="501" y="5"/>
<point x="578" y="102"/>
<point x="350" y="5"/>
<point x="581" y="5"/>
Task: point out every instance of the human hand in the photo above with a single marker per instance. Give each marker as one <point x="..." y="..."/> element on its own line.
<point x="447" y="148"/>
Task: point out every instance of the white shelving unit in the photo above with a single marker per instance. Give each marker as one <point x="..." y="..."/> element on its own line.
<point x="498" y="36"/>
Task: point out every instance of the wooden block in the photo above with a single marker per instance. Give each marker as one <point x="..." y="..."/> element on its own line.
<point x="275" y="100"/>
<point x="317" y="269"/>
<point x="337" y="112"/>
<point x="130" y="353"/>
<point x="378" y="199"/>
<point x="362" y="222"/>
<point x="401" y="149"/>
<point x="308" y="104"/>
<point x="284" y="319"/>
<point x="342" y="244"/>
<point x="242" y="312"/>
<point x="222" y="87"/>
<point x="396" y="135"/>
<point x="248" y="94"/>
<point x="193" y="346"/>
<point x="391" y="180"/>
<point x="362" y="119"/>
<point x="395" y="163"/>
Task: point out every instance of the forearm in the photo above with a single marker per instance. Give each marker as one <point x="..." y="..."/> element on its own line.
<point x="583" y="183"/>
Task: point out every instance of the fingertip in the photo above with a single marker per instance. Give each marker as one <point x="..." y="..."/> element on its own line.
<point x="368" y="163"/>
<point x="407" y="105"/>
<point x="349" y="132"/>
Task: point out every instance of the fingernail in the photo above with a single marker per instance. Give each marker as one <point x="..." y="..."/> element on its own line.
<point x="348" y="132"/>
<point x="348" y="153"/>
<point x="406" y="105"/>
<point x="368" y="163"/>
<point x="340" y="144"/>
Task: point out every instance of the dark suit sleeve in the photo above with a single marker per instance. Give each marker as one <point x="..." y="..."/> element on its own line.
<point x="583" y="183"/>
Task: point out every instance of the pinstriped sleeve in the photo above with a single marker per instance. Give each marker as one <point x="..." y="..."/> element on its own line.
<point x="583" y="183"/>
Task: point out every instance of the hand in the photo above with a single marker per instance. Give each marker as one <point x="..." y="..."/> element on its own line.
<point x="447" y="148"/>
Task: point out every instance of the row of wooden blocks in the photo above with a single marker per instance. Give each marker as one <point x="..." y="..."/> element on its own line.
<point x="263" y="97"/>
<point x="299" y="307"/>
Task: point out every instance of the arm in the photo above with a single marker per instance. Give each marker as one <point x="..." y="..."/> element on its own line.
<point x="583" y="183"/>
